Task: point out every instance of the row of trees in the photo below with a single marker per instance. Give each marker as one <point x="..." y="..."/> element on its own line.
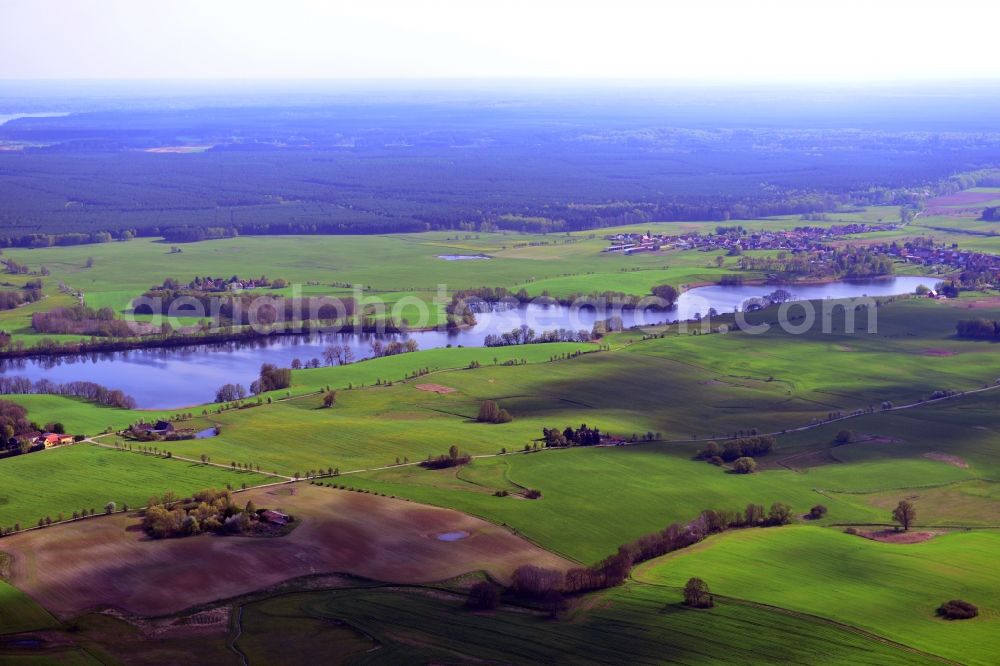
<point x="82" y="320"/>
<point x="245" y="308"/>
<point x="230" y="393"/>
<point x="31" y="292"/>
<point x="582" y="436"/>
<point x="730" y="451"/>
<point x="454" y="458"/>
<point x="549" y="585"/>
<point x="71" y="238"/>
<point x="978" y="329"/>
<point x="525" y="335"/>
<point x="393" y="347"/>
<point x="272" y="378"/>
<point x="338" y="355"/>
<point x="89" y="391"/>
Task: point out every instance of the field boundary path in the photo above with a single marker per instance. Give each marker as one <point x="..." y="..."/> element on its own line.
<point x="93" y="440"/>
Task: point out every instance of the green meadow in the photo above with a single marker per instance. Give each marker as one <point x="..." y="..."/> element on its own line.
<point x="85" y="476"/>
<point x="635" y="624"/>
<point x="597" y="498"/>
<point x="397" y="270"/>
<point x="18" y="612"/>
<point x="594" y="499"/>
<point x="891" y="590"/>
<point x="806" y="594"/>
<point x="691" y="387"/>
<point x="79" y="416"/>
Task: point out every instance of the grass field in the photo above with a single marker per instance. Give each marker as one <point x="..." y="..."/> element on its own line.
<point x="888" y="589"/>
<point x="19" y="613"/>
<point x="692" y="386"/>
<point x="635" y="624"/>
<point x="941" y="455"/>
<point x="85" y="476"/>
<point x="79" y="416"/>
<point x="384" y="266"/>
<point x="596" y="499"/>
<point x="405" y="266"/>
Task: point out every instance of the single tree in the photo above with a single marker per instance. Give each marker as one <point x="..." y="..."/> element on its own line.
<point x="780" y="514"/>
<point x="904" y="514"/>
<point x="488" y="412"/>
<point x="697" y="595"/>
<point x="483" y="596"/>
<point x="754" y="514"/>
<point x="745" y="465"/>
<point x="329" y="398"/>
<point x="667" y="293"/>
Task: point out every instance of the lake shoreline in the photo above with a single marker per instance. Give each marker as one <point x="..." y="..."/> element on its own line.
<point x="165" y="371"/>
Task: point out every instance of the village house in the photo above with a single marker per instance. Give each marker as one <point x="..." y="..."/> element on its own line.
<point x="274" y="517"/>
<point x="50" y="439"/>
<point x="158" y="428"/>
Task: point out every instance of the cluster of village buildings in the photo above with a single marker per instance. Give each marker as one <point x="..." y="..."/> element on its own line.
<point x="944" y="255"/>
<point x="208" y="283"/>
<point x="813" y="240"/>
<point x="799" y="239"/>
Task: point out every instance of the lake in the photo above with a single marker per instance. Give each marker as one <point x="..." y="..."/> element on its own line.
<point x="184" y="376"/>
<point x="7" y="117"/>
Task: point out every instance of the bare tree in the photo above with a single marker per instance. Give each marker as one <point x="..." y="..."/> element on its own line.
<point x="904" y="514"/>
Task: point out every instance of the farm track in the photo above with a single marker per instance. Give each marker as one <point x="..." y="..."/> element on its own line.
<point x="285" y="479"/>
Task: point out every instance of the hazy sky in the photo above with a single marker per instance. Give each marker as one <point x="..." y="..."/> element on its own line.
<point x="752" y="40"/>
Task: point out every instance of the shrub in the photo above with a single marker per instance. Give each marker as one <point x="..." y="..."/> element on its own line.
<point x="697" y="595"/>
<point x="329" y="399"/>
<point x="956" y="609"/>
<point x="817" y="512"/>
<point x="483" y="596"/>
<point x="710" y="451"/>
<point x="533" y="581"/>
<point x="555" y="603"/>
<point x="667" y="292"/>
<point x="780" y="514"/>
<point x="531" y="493"/>
<point x="844" y="437"/>
<point x="488" y="412"/>
<point x="745" y="465"/>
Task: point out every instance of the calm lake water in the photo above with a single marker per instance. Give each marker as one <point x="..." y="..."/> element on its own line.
<point x="183" y="376"/>
<point x="7" y="117"/>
